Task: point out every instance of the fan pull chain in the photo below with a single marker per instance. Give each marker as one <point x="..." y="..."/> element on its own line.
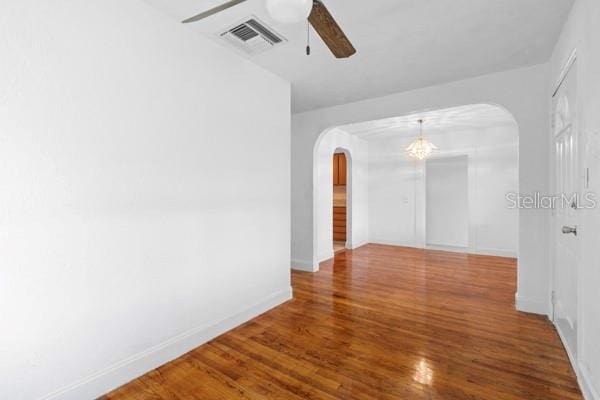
<point x="308" y="38"/>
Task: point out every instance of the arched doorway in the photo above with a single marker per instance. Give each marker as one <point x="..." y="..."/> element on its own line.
<point x="492" y="230"/>
<point x="335" y="196"/>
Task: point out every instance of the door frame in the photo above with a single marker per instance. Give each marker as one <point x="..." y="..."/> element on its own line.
<point x="569" y="65"/>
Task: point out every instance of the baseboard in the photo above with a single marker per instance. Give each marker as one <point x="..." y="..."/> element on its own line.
<point x="386" y="242"/>
<point x="585" y="382"/>
<point x="354" y="246"/>
<point x="532" y="306"/>
<point x="303" y="265"/>
<point x="451" y="249"/>
<point x="581" y="372"/>
<point x="474" y="250"/>
<point x="570" y="355"/>
<point x="327" y="255"/>
<point x="125" y="371"/>
<point x="494" y="252"/>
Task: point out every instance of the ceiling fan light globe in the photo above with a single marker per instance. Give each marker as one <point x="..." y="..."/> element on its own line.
<point x="289" y="11"/>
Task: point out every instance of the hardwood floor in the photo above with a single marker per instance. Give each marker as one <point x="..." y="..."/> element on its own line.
<point x="339" y="246"/>
<point x="380" y="323"/>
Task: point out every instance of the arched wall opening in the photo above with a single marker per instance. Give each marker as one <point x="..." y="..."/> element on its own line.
<point x="390" y="212"/>
<point x="335" y="140"/>
<point x="520" y="92"/>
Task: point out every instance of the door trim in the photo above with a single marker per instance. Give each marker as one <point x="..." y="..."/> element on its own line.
<point x="576" y="361"/>
<point x="564" y="71"/>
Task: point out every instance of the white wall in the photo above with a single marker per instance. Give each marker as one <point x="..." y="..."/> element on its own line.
<point x="397" y="198"/>
<point x="132" y="161"/>
<point x="582" y="31"/>
<point x="396" y="195"/>
<point x="521" y="92"/>
<point x="358" y="223"/>
<point x="447" y="201"/>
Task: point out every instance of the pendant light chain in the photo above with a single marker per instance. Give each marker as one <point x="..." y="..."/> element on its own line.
<point x="307" y="37"/>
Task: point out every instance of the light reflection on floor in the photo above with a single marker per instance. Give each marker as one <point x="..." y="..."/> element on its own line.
<point x="423" y="373"/>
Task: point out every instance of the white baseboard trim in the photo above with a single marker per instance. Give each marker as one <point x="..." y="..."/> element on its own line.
<point x="532" y="306"/>
<point x="474" y="250"/>
<point x="386" y="242"/>
<point x="303" y="265"/>
<point x="570" y="355"/>
<point x="354" y="246"/>
<point x="451" y="249"/>
<point x="133" y="367"/>
<point x="585" y="382"/>
<point x="327" y="255"/>
<point x="494" y="252"/>
<point x="581" y="372"/>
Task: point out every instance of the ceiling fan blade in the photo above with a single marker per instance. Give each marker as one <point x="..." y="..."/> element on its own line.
<point x="329" y="30"/>
<point x="213" y="11"/>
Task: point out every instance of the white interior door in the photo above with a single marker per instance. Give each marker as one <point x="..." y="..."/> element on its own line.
<point x="566" y="184"/>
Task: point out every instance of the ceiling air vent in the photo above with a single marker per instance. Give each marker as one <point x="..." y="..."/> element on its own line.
<point x="252" y="36"/>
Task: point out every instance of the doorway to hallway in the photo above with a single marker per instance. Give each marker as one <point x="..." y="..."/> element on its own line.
<point x="340" y="199"/>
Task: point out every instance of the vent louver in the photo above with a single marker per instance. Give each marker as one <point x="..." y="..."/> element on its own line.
<point x="243" y="32"/>
<point x="252" y="36"/>
<point x="257" y="26"/>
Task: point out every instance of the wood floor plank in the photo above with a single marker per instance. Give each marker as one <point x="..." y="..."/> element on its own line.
<point x="380" y="322"/>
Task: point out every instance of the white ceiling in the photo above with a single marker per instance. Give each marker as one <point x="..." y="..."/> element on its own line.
<point x="401" y="44"/>
<point x="456" y="119"/>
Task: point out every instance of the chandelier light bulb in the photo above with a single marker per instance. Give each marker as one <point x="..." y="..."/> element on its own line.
<point x="289" y="11"/>
<point x="421" y="148"/>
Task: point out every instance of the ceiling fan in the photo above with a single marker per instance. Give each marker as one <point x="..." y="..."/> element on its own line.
<point x="289" y="11"/>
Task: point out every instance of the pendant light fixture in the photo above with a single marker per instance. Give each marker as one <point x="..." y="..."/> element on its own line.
<point x="421" y="148"/>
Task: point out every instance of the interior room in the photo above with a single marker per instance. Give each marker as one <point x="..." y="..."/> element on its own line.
<point x="299" y="199"/>
<point x="454" y="200"/>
